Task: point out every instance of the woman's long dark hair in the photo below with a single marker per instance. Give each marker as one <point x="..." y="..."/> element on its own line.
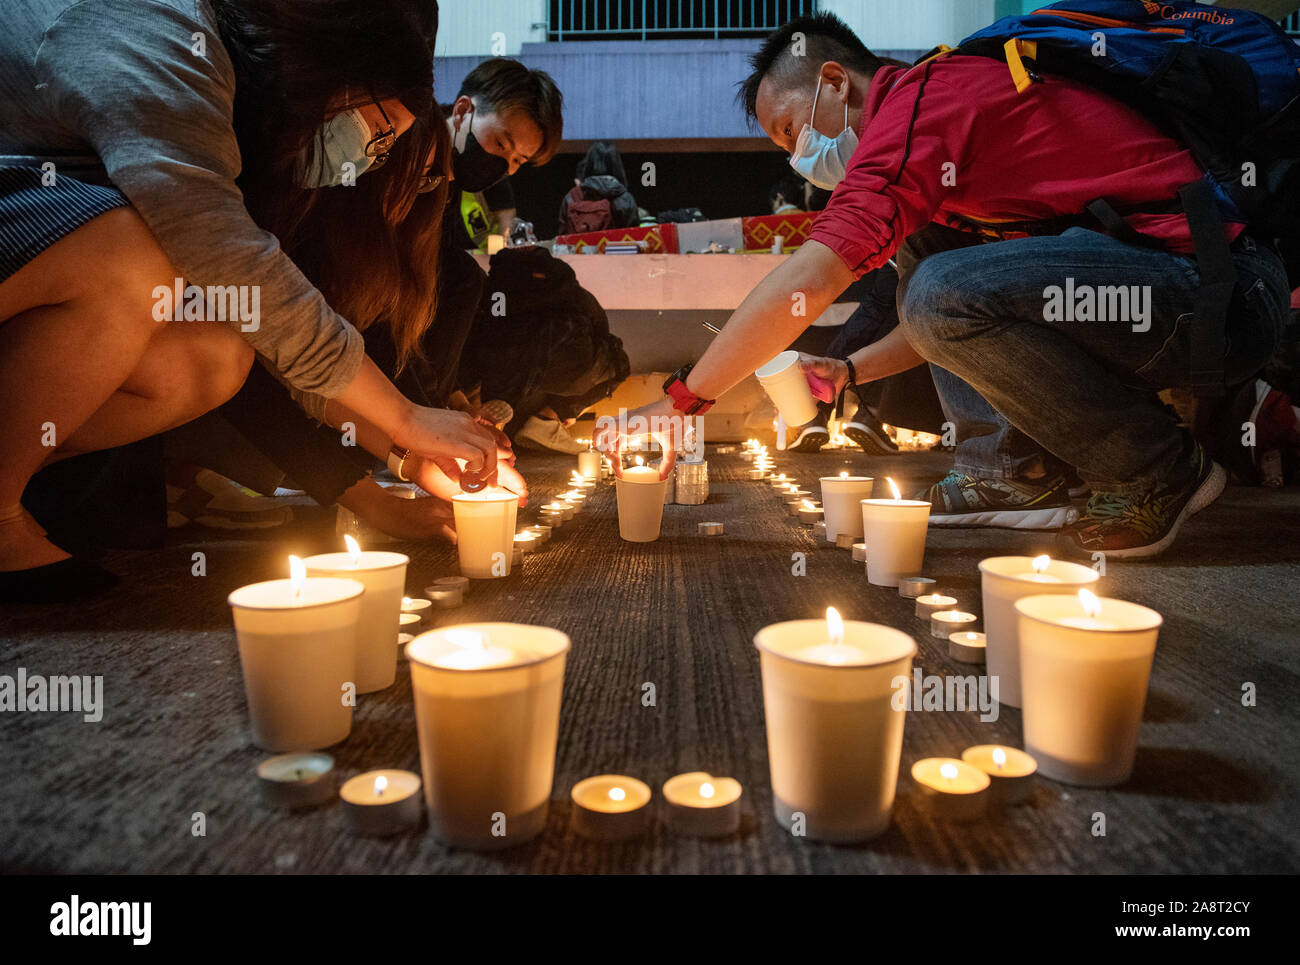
<point x="371" y="248"/>
<point x="602" y="158"/>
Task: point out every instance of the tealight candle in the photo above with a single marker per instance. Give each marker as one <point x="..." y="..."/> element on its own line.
<point x="967" y="646"/>
<point x="933" y="603"/>
<point x="808" y="513"/>
<point x="710" y="529"/>
<point x="409" y="619"/>
<point x="541" y="531"/>
<point x="298" y="649"/>
<point x="859" y="552"/>
<point x="381" y="803"/>
<point x="447" y="592"/>
<point x="951" y="789"/>
<point x="640" y="495"/>
<point x="589" y="464"/>
<point x="485" y="532"/>
<point x="910" y="587"/>
<point x="842" y="496"/>
<point x="297" y="780"/>
<point x="384" y="576"/>
<point x="834" y="732"/>
<point x="1003" y="581"/>
<point x="553" y="519"/>
<point x="561" y="508"/>
<point x="580" y="482"/>
<point x="415" y="605"/>
<point x="1010" y="770"/>
<point x="780" y="482"/>
<point x="819" y="529"/>
<point x="944" y="623"/>
<point x="792" y="499"/>
<point x="757" y="474"/>
<point x="1085" y="663"/>
<point x="847" y="541"/>
<point x="895" y="531"/>
<point x="702" y="805"/>
<point x="487" y="711"/>
<point x="526" y="542"/>
<point x="610" y="807"/>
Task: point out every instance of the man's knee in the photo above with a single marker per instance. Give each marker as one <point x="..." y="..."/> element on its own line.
<point x="926" y="306"/>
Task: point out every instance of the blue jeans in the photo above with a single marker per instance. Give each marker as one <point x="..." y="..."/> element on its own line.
<point x="1085" y="391"/>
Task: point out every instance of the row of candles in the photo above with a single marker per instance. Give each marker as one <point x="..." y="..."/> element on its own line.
<point x="1077" y="664"/>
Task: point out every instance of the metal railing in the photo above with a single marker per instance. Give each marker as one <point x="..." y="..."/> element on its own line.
<point x="669" y="19"/>
<point x="1291" y="24"/>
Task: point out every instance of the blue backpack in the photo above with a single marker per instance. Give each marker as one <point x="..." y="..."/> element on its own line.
<point x="1223" y="82"/>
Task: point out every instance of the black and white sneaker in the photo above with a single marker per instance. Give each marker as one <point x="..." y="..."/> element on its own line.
<point x="870" y="437"/>
<point x="811" y="438"/>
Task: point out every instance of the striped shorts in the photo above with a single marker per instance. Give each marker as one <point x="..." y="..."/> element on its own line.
<point x="34" y="216"/>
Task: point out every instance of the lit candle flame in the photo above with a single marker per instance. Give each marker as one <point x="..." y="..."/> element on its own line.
<point x="893" y="488"/>
<point x="406" y="602"/>
<point x="948" y="771"/>
<point x="381" y="785"/>
<point x="807" y="504"/>
<point x="354" y="549"/>
<point x="617" y="794"/>
<point x="834" y="625"/>
<point x="297" y="576"/>
<point x="465" y="639"/>
<point x="640" y="461"/>
<point x="1091" y="605"/>
<point x="706" y="789"/>
<point x="844" y="474"/>
<point x="1041" y="563"/>
<point x="999" y="758"/>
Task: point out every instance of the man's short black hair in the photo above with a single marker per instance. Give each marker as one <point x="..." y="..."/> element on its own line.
<point x="503" y="86"/>
<point x="824" y="37"/>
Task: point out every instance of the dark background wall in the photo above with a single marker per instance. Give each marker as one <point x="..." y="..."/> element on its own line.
<point x="722" y="185"/>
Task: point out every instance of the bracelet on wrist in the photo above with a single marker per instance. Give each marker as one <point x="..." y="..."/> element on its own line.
<point x="853" y="373"/>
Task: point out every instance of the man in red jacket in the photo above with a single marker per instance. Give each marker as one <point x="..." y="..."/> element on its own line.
<point x="1048" y="350"/>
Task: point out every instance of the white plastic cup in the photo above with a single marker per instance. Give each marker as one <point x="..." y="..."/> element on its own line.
<point x="834" y="729"/>
<point x="1085" y="684"/>
<point x="297" y="652"/>
<point x="1003" y="581"/>
<point x="641" y="495"/>
<point x="894" y="531"/>
<point x="841" y="498"/>
<point x="485" y="532"/>
<point x="787" y="387"/>
<point x="383" y="574"/>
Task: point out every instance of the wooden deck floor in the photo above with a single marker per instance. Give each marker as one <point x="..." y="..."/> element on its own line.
<point x="1215" y="788"/>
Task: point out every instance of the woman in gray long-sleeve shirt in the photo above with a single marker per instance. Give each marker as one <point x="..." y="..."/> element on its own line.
<point x="118" y="167"/>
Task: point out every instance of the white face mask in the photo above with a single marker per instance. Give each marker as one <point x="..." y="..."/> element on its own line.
<point x="821" y="159"/>
<point x="341" y="140"/>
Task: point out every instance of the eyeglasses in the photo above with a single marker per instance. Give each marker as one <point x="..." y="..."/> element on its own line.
<point x="381" y="145"/>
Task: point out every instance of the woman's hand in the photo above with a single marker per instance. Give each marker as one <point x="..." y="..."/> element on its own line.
<point x="443" y="436"/>
<point x="833" y="371"/>
<point x="658" y="419"/>
<point x="425" y="517"/>
<point x="428" y="474"/>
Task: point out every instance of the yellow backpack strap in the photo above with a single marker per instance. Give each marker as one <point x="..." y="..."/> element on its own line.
<point x="1015" y="49"/>
<point x="932" y="54"/>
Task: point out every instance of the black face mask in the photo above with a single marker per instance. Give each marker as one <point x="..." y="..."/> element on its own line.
<point x="475" y="167"/>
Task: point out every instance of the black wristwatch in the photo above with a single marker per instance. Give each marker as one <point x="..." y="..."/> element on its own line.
<point x="683" y="399"/>
<point x="853" y="374"/>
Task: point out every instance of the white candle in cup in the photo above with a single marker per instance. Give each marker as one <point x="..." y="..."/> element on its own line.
<point x="487" y="709"/>
<point x="1085" y="664"/>
<point x="842" y="497"/>
<point x="702" y="805"/>
<point x="297" y="649"/>
<point x="950" y="788"/>
<point x="894" y="531"/>
<point x="834" y="729"/>
<point x="639" y="493"/>
<point x="485" y="532"/>
<point x="381" y="803"/>
<point x="1003" y="581"/>
<point x="610" y="807"/>
<point x="384" y="576"/>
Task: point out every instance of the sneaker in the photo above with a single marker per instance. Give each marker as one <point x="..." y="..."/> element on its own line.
<point x="539" y="433"/>
<point x="963" y="500"/>
<point x="869" y="436"/>
<point x="221" y="503"/>
<point x="1141" y="525"/>
<point x="810" y="439"/>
